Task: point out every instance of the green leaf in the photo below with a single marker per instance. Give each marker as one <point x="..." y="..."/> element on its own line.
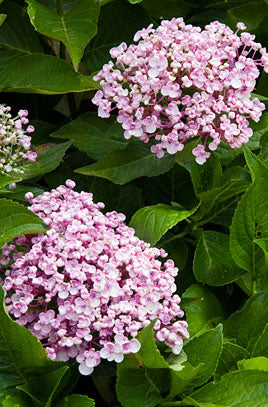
<point x="231" y="354"/>
<point x="49" y="157"/>
<point x="134" y="373"/>
<point x="213" y="263"/>
<point x="135" y="1"/>
<point x="245" y="388"/>
<point x="233" y="182"/>
<point x="7" y="179"/>
<point x="259" y="363"/>
<point x="247" y="324"/>
<point x="250" y="220"/>
<point x="76" y="400"/>
<point x="261" y="346"/>
<point x="167" y="9"/>
<point x="42" y="388"/>
<point x="251" y="14"/>
<point x="122" y="166"/>
<point x="206" y="176"/>
<point x="152" y="222"/>
<point x="45" y="74"/>
<point x="22" y="355"/>
<point x="205" y="314"/>
<point x="198" y="356"/>
<point x="74" y="26"/>
<point x="93" y="135"/>
<point x="16" y="34"/>
<point x="18" y="400"/>
<point x="2" y="18"/>
<point x="116" y="14"/>
<point x="17" y="220"/>
<point x="20" y="191"/>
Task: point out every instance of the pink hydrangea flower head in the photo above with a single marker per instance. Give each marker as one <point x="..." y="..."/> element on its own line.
<point x="15" y="142"/>
<point x="89" y="285"/>
<point x="184" y="81"/>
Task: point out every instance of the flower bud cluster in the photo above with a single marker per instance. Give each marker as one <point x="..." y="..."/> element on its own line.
<point x="181" y="83"/>
<point x="89" y="285"/>
<point x="15" y="144"/>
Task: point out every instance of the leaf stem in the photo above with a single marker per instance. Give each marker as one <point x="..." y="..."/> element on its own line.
<point x="60" y="7"/>
<point x="178" y="236"/>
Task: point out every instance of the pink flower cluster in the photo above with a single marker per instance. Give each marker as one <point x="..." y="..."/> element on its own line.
<point x="88" y="286"/>
<point x="181" y="83"/>
<point x="15" y="144"/>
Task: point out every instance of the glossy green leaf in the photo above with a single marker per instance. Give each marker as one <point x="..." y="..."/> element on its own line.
<point x="251" y="14"/>
<point x="7" y="179"/>
<point x="42" y="389"/>
<point x="205" y="314"/>
<point x="213" y="263"/>
<point x="167" y="9"/>
<point x="95" y="136"/>
<point x="122" y="166"/>
<point x="2" y="18"/>
<point x="233" y="182"/>
<point x="19" y="192"/>
<point x="16" y="33"/>
<point x="231" y="354"/>
<point x="251" y="220"/>
<point x="119" y="13"/>
<point x="74" y="25"/>
<point x="22" y="355"/>
<point x="17" y="220"/>
<point x="259" y="363"/>
<point x="134" y="373"/>
<point x="245" y="388"/>
<point x="45" y="74"/>
<point x="261" y="346"/>
<point x="247" y="324"/>
<point x="206" y="176"/>
<point x="152" y="222"/>
<point x="198" y="355"/>
<point x="18" y="400"/>
<point x="76" y="400"/>
<point x="49" y="157"/>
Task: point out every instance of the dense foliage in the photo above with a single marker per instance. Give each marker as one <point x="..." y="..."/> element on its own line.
<point x="211" y="219"/>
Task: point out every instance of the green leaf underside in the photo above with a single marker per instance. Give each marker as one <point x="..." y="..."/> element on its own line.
<point x="213" y="263"/>
<point x="75" y="27"/>
<point x="122" y="166"/>
<point x="152" y="222"/>
<point x="95" y="136"/>
<point x="17" y="220"/>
